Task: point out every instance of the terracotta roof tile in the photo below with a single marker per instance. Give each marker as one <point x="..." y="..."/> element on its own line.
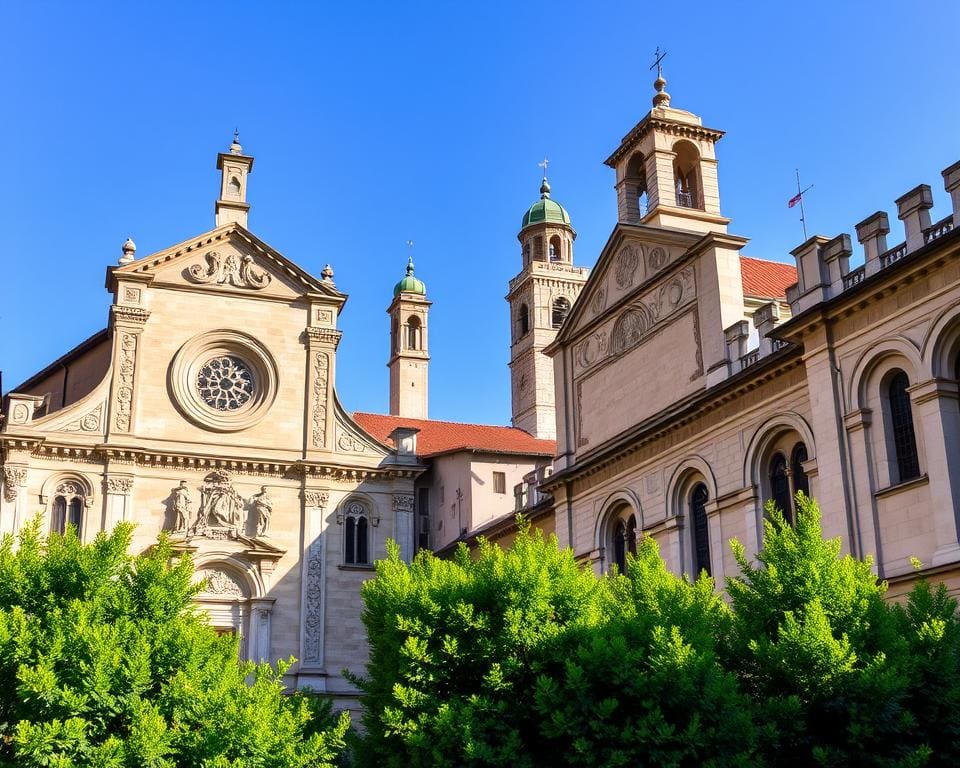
<point x="766" y="279"/>
<point x="437" y="437"/>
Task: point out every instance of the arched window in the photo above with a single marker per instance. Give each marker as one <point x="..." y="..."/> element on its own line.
<point x="526" y="253"/>
<point x="800" y="480"/>
<point x="904" y="440"/>
<point x="523" y="320"/>
<point x="620" y="546"/>
<point x="561" y="307"/>
<point x="780" y="486"/>
<point x="635" y="187"/>
<point x="413" y="332"/>
<point x="698" y="527"/>
<point x="555" y="251"/>
<point x="67" y="509"/>
<point x="356" y="543"/>
<point x="623" y="537"/>
<point x="686" y="175"/>
<point x="538" y="248"/>
<point x="632" y="535"/>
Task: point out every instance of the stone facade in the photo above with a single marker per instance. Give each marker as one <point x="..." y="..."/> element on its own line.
<point x="677" y="421"/>
<point x="208" y="408"/>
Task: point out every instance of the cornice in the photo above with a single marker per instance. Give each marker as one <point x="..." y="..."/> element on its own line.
<point x="125" y="314"/>
<point x="328" y="336"/>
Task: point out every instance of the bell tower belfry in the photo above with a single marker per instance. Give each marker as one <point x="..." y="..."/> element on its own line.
<point x="540" y="298"/>
<point x="234" y="167"/>
<point x="667" y="169"/>
<point x="409" y="356"/>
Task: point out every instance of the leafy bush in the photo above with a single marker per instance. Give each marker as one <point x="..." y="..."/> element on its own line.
<point x="103" y="662"/>
<point x="525" y="658"/>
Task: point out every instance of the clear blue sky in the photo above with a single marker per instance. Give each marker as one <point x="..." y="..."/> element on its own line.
<point x="374" y="123"/>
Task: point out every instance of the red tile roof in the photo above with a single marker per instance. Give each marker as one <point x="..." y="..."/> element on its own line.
<point x="437" y="437"/>
<point x="766" y="279"/>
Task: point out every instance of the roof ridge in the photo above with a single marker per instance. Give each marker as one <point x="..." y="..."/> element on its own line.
<point x="445" y="421"/>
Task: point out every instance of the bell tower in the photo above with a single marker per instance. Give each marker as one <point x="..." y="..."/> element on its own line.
<point x="234" y="167"/>
<point x="409" y="357"/>
<point x="540" y="298"/>
<point x="667" y="168"/>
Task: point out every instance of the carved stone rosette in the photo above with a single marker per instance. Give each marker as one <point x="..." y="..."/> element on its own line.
<point x="13" y="479"/>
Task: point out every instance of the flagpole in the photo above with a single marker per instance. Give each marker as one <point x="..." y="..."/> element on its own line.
<point x="803" y="220"/>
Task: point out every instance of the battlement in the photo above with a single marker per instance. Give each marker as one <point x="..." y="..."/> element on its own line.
<point x="823" y="265"/>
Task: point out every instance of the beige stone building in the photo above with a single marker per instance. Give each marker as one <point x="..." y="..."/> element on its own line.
<point x="694" y="384"/>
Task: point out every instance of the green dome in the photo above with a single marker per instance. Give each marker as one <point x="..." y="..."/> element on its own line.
<point x="545" y="210"/>
<point x="410" y="284"/>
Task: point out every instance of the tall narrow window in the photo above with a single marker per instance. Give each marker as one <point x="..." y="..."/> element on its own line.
<point x="58" y="518"/>
<point x="620" y="546"/>
<point x="800" y="480"/>
<point x="780" y="486"/>
<point x="901" y="423"/>
<point x="413" y="333"/>
<point x="561" y="308"/>
<point x="356" y="535"/>
<point x="555" y="250"/>
<point x="523" y="320"/>
<point x="499" y="482"/>
<point x="698" y="515"/>
<point x="526" y="254"/>
<point x="632" y="535"/>
<point x="423" y="515"/>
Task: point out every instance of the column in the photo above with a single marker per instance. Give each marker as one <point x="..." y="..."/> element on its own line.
<point x="321" y="368"/>
<point x="117" y="490"/>
<point x="259" y="643"/>
<point x="857" y="424"/>
<point x="127" y="324"/>
<point x="403" y="525"/>
<point x="11" y="508"/>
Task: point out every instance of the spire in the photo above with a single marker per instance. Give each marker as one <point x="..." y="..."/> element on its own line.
<point x="661" y="98"/>
<point x="234" y="167"/>
<point x="410" y="266"/>
<point x="235" y="148"/>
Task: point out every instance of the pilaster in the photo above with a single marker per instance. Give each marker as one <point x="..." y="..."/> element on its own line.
<point x="321" y="378"/>
<point x="127" y="324"/>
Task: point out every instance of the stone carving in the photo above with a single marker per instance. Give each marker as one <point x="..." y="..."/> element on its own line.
<point x="131" y="294"/>
<point x="220" y="507"/>
<point x="181" y="507"/>
<point x="13" y="478"/>
<point x="263" y="506"/>
<point x="136" y="315"/>
<point x="222" y="583"/>
<point x="325" y="316"/>
<point x="325" y="335"/>
<point x="69" y="490"/>
<point x="20" y="414"/>
<point x="629" y="328"/>
<point x="599" y="301"/>
<point x="658" y="257"/>
<point x="233" y="269"/>
<point x="313" y="599"/>
<point x="89" y="422"/>
<point x="626" y="268"/>
<point x="127" y="362"/>
<point x="403" y="503"/>
<point x="349" y="443"/>
<point x="119" y="485"/>
<point x="321" y="370"/>
<point x="315" y="498"/>
<point x="591" y="349"/>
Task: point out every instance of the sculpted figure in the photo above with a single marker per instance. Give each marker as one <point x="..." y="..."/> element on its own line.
<point x="220" y="505"/>
<point x="263" y="506"/>
<point x="181" y="507"/>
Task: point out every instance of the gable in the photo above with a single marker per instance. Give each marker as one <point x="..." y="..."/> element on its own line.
<point x="227" y="259"/>
<point x="634" y="257"/>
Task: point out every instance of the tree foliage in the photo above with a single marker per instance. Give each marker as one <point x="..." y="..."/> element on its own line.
<point x="103" y="662"/>
<point x="525" y="658"/>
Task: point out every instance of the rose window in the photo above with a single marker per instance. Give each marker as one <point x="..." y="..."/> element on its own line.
<point x="225" y="383"/>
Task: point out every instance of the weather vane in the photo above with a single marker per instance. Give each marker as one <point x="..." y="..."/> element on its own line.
<point x="410" y="246"/>
<point x="543" y="164"/>
<point x="659" y="57"/>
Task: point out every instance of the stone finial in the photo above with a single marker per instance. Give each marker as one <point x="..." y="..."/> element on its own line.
<point x="235" y="148"/>
<point x="129" y="250"/>
<point x="661" y="98"/>
<point x="327" y="274"/>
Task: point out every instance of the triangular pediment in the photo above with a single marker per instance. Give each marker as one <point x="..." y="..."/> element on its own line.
<point x="632" y="259"/>
<point x="228" y="258"/>
<point x="351" y="438"/>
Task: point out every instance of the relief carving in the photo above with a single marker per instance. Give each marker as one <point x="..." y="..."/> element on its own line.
<point x="657" y="258"/>
<point x="89" y="422"/>
<point x="119" y="485"/>
<point x="13" y="478"/>
<point x="263" y="507"/>
<point x="222" y="584"/>
<point x="599" y="301"/>
<point x="20" y="414"/>
<point x="591" y="349"/>
<point x="321" y="370"/>
<point x="349" y="443"/>
<point x="221" y="507"/>
<point x="181" y="503"/>
<point x="626" y="268"/>
<point x="127" y="361"/>
<point x="630" y="328"/>
<point x="403" y="503"/>
<point x="233" y="269"/>
<point x="313" y="598"/>
<point x="316" y="498"/>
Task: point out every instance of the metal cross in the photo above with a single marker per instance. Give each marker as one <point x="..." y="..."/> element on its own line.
<point x="544" y="165"/>
<point x="658" y="58"/>
<point x="410" y="246"/>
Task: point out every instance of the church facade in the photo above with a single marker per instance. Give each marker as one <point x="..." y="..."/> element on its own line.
<point x="686" y="399"/>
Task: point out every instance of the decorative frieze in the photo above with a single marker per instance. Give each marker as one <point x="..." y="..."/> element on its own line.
<point x="89" y="422"/>
<point x="119" y="485"/>
<point x="127" y="361"/>
<point x="313" y="604"/>
<point x="134" y="315"/>
<point x="316" y="498"/>
<point x="403" y="503"/>
<point x="232" y="269"/>
<point x="329" y="336"/>
<point x="321" y="371"/>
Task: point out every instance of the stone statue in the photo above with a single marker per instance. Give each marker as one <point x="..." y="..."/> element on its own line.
<point x="264" y="508"/>
<point x="181" y="507"/>
<point x="220" y="506"/>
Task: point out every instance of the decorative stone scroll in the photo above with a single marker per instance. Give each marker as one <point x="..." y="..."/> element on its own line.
<point x="232" y="269"/>
<point x="13" y="478"/>
<point x="321" y="371"/>
<point x="127" y="365"/>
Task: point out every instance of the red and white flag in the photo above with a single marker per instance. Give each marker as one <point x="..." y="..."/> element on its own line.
<point x="795" y="199"/>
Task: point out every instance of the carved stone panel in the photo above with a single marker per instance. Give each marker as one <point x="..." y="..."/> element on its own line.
<point x="313" y="604"/>
<point x="321" y="372"/>
<point x="124" y="393"/>
<point x="221" y="507"/>
<point x="13" y="478"/>
<point x="232" y="269"/>
<point x="221" y="583"/>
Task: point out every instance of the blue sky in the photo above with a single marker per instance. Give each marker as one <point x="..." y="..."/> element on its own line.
<point x="375" y="123"/>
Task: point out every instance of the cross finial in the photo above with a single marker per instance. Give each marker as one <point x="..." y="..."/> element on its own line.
<point x="658" y="58"/>
<point x="410" y="257"/>
<point x="543" y="164"/>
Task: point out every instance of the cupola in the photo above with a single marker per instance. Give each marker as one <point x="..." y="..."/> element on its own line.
<point x="410" y="284"/>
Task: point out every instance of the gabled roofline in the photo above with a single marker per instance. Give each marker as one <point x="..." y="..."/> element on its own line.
<point x="84" y="346"/>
